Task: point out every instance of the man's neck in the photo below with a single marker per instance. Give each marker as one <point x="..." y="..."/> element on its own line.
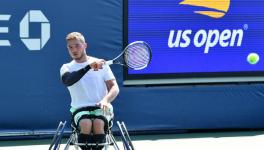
<point x="82" y="59"/>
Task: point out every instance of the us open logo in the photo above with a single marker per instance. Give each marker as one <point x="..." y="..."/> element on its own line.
<point x="31" y="43"/>
<point x="216" y="8"/>
<point x="207" y="38"/>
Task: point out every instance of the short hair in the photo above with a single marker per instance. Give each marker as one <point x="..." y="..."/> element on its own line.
<point x="75" y="36"/>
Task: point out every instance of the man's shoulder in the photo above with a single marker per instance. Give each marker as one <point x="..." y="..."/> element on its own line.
<point x="70" y="63"/>
<point x="67" y="64"/>
<point x="93" y="59"/>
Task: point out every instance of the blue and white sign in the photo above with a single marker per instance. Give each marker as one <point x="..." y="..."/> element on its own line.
<point x="198" y="38"/>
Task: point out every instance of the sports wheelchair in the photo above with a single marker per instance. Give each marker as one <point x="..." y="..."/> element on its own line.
<point x="109" y="138"/>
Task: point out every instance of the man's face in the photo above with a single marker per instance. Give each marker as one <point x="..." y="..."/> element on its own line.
<point x="76" y="49"/>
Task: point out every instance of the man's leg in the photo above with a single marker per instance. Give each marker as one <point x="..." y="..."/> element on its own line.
<point x="85" y="126"/>
<point x="85" y="133"/>
<point x="98" y="133"/>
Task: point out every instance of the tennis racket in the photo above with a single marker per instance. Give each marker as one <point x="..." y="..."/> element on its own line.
<point x="136" y="55"/>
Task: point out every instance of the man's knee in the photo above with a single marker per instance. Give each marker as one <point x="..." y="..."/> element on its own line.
<point x="98" y="126"/>
<point x="85" y="126"/>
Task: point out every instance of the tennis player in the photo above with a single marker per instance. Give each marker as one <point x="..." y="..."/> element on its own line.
<point x="92" y="87"/>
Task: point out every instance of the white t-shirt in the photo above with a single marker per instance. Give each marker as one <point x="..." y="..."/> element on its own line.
<point x="91" y="88"/>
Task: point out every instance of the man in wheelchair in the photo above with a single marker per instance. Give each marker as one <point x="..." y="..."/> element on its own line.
<point x="92" y="87"/>
<point x="91" y="125"/>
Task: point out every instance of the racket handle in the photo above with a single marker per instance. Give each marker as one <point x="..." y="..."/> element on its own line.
<point x="109" y="62"/>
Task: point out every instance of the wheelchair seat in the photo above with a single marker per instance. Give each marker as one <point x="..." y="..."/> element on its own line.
<point x="73" y="140"/>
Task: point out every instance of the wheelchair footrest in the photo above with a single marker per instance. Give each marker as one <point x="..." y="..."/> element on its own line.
<point x="91" y="144"/>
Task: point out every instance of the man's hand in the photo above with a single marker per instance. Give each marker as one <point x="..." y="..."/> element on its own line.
<point x="97" y="64"/>
<point x="103" y="104"/>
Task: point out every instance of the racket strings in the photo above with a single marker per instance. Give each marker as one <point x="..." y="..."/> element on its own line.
<point x="137" y="56"/>
<point x="137" y="60"/>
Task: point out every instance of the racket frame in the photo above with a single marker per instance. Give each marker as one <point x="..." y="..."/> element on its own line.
<point x="123" y="63"/>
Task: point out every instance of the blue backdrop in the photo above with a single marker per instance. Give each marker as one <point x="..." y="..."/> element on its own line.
<point x="33" y="100"/>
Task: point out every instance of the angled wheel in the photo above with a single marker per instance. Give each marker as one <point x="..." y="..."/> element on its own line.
<point x="56" y="141"/>
<point x="125" y="136"/>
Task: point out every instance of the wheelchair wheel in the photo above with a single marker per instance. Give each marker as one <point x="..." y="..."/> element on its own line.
<point x="56" y="141"/>
<point x="125" y="136"/>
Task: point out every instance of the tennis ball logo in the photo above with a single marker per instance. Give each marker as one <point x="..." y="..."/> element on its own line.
<point x="253" y="58"/>
<point x="218" y="8"/>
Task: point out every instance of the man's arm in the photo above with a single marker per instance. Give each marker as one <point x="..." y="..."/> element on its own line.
<point x="113" y="90"/>
<point x="69" y="78"/>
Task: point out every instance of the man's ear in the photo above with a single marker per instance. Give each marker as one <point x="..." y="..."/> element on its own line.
<point x="86" y="45"/>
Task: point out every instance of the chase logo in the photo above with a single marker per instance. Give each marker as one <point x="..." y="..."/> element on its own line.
<point x="216" y="8"/>
<point x="32" y="16"/>
<point x="35" y="43"/>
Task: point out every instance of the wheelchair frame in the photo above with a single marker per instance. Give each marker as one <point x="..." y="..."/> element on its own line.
<point x="73" y="139"/>
<point x="56" y="141"/>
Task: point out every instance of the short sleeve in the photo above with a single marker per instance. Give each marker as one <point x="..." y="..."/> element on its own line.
<point x="108" y="74"/>
<point x="63" y="69"/>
